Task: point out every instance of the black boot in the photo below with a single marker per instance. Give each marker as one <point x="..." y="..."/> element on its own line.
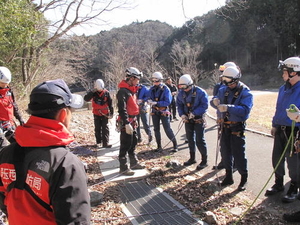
<point x="175" y="147"/>
<point x="124" y="167"/>
<point x="159" y="148"/>
<point x="242" y="185"/>
<point x="277" y="187"/>
<point x="150" y="138"/>
<point x="203" y="163"/>
<point x="134" y="164"/>
<point x="228" y="180"/>
<point x="220" y="166"/>
<point x="291" y="194"/>
<point x="191" y="160"/>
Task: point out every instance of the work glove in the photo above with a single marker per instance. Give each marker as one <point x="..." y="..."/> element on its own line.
<point x="273" y="131"/>
<point x="191" y="116"/>
<point x="293" y="115"/>
<point x="184" y="118"/>
<point x="222" y="108"/>
<point x="216" y="102"/>
<point x="152" y="102"/>
<point x="128" y="129"/>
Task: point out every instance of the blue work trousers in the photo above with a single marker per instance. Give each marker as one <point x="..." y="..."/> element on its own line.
<point x="195" y="135"/>
<point x="156" y="118"/>
<point x="233" y="146"/>
<point x="144" y="117"/>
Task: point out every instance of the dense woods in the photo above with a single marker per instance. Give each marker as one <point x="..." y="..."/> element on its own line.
<point x="254" y="34"/>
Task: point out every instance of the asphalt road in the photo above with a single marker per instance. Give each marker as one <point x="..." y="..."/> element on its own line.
<point x="258" y="152"/>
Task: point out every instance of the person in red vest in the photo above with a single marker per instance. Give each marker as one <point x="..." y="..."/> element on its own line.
<point x="102" y="110"/>
<point x="41" y="181"/>
<point x="8" y="108"/>
<point x="128" y="110"/>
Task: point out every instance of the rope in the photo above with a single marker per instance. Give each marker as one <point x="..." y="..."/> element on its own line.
<point x="281" y="157"/>
<point x="180" y="125"/>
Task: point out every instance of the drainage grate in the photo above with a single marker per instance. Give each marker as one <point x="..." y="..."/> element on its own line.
<point x="147" y="205"/>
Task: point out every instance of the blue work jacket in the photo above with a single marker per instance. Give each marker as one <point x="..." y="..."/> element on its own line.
<point x="186" y="104"/>
<point x="287" y="95"/>
<point x="239" y="107"/>
<point x="160" y="94"/>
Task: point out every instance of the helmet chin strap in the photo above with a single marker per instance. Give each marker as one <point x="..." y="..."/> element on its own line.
<point x="290" y="76"/>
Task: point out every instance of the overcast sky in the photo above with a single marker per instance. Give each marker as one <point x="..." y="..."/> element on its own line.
<point x="173" y="12"/>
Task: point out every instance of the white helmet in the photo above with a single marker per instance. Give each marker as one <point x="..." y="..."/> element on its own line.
<point x="99" y="85"/>
<point x="5" y="75"/>
<point x="157" y="75"/>
<point x="185" y="80"/>
<point x="292" y="64"/>
<point x="231" y="75"/>
<point x="225" y="65"/>
<point x="133" y="72"/>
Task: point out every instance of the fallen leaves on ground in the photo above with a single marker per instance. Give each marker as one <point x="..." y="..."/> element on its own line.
<point x="198" y="192"/>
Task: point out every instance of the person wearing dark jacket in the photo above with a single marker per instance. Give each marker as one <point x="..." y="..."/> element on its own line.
<point x="41" y="181"/>
<point x="128" y="110"/>
<point x="8" y="108"/>
<point x="102" y="111"/>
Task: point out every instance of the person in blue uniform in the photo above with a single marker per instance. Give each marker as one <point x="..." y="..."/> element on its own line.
<point x="281" y="129"/>
<point x="159" y="99"/>
<point x="192" y="104"/>
<point x="234" y="102"/>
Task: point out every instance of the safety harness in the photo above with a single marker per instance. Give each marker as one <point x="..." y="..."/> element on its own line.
<point x="190" y="105"/>
<point x="227" y="123"/>
<point x="157" y="96"/>
<point x="235" y="96"/>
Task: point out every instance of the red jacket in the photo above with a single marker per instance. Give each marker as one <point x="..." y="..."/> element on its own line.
<point x="101" y="102"/>
<point x="127" y="105"/>
<point x="7" y="104"/>
<point x="54" y="190"/>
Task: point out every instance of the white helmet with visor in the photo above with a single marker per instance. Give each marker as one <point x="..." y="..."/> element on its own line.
<point x="185" y="81"/>
<point x="157" y="77"/>
<point x="231" y="75"/>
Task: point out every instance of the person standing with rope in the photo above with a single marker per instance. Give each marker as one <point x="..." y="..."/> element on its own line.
<point x="102" y="111"/>
<point x="294" y="116"/>
<point x="192" y="104"/>
<point x="8" y="108"/>
<point x="281" y="129"/>
<point x="234" y="101"/>
<point x="128" y="110"/>
<point x="215" y="92"/>
<point x="160" y="98"/>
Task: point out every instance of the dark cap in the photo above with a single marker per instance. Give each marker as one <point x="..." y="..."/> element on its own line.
<point x="51" y="95"/>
